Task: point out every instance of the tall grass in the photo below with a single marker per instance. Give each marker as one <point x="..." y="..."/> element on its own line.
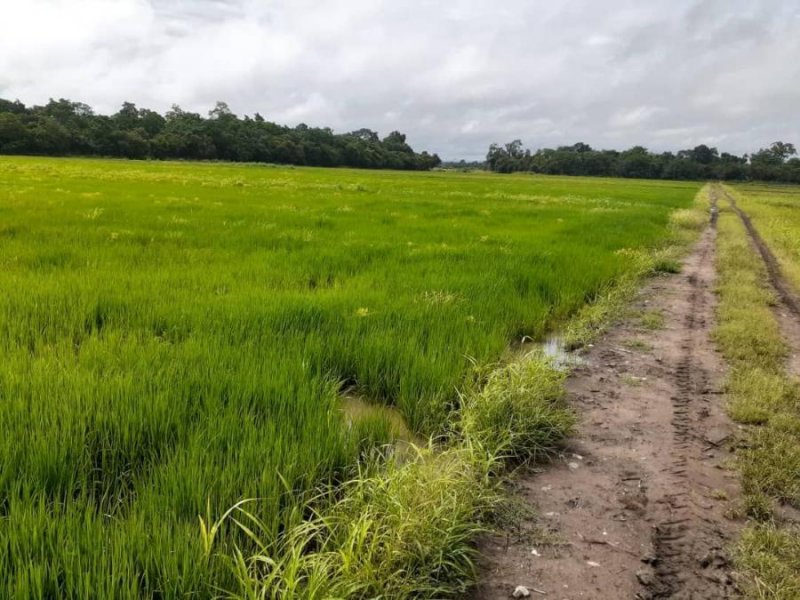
<point x="174" y="338"/>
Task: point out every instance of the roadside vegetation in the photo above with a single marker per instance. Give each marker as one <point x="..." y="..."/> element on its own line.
<point x="176" y="338"/>
<point x="763" y="397"/>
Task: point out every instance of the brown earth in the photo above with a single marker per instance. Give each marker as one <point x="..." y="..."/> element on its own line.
<point x="636" y="506"/>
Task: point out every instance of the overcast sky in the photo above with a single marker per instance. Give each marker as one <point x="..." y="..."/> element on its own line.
<point x="454" y="75"/>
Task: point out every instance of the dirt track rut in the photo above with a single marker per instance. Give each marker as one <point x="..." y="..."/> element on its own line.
<point x="788" y="311"/>
<point x="635" y="508"/>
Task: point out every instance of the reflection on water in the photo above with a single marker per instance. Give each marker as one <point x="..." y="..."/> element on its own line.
<point x="356" y="409"/>
<point x="554" y="349"/>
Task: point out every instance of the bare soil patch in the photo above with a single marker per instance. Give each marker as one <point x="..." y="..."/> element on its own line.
<point x="636" y="506"/>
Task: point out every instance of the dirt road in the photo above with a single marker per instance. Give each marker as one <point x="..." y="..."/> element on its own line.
<point x="636" y="508"/>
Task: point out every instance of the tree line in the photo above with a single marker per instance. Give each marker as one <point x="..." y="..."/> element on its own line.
<point x="776" y="163"/>
<point x="66" y="128"/>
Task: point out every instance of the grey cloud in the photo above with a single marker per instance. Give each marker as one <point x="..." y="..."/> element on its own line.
<point x="455" y="77"/>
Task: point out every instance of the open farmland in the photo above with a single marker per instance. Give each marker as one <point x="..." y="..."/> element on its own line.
<point x="176" y="337"/>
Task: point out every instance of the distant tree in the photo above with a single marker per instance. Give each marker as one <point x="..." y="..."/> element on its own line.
<point x="396" y="142"/>
<point x="581" y="147"/>
<point x="637" y="162"/>
<point x="7" y="106"/>
<point x="13" y="134"/>
<point x="220" y="110"/>
<point x="151" y="121"/>
<point x="48" y="136"/>
<point x="782" y="150"/>
<point x="698" y="163"/>
<point x="703" y="154"/>
<point x="127" y="117"/>
<point x="514" y="149"/>
<point x="365" y="135"/>
<point x="132" y="143"/>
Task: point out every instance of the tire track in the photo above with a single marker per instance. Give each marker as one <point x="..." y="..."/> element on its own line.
<point x="635" y="507"/>
<point x="787" y="312"/>
<point x="776" y="278"/>
<point x="675" y="537"/>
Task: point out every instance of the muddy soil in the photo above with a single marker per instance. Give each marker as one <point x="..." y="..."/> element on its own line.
<point x="636" y="506"/>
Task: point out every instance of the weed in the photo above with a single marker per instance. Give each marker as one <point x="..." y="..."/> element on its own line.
<point x="632" y="380"/>
<point x="520" y="412"/>
<point x="771" y="558"/>
<point x="638" y="345"/>
<point x="719" y="494"/>
<point x="651" y="319"/>
<point x="667" y="265"/>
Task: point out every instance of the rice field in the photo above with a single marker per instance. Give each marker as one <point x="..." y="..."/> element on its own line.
<point x="176" y="337"/>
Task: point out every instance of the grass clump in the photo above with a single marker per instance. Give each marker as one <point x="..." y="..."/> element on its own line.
<point x="520" y="412"/>
<point x="771" y="463"/>
<point x="651" y="319"/>
<point x="770" y="557"/>
<point x="667" y="265"/>
<point x="756" y="394"/>
<point x="402" y="529"/>
<point x="684" y="221"/>
<point x="405" y="526"/>
<point x="638" y="345"/>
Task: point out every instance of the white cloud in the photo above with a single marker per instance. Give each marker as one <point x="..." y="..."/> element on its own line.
<point x="455" y="77"/>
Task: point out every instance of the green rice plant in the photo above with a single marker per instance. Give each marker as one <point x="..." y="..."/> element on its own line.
<point x="177" y="336"/>
<point x="683" y="226"/>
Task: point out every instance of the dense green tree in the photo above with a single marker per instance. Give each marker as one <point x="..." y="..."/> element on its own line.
<point x="62" y="127"/>
<point x="698" y="163"/>
<point x="13" y="134"/>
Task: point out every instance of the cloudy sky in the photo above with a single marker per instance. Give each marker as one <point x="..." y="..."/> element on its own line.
<point x="455" y="75"/>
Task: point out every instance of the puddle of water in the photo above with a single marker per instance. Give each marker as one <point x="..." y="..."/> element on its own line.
<point x="357" y="409"/>
<point x="555" y="349"/>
